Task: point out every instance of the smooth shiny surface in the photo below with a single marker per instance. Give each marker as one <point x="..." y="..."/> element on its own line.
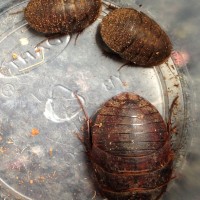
<point x="127" y="157"/>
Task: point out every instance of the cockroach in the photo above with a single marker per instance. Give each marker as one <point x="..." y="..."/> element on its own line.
<point x="135" y="37"/>
<point x="61" y="17"/>
<point x="130" y="150"/>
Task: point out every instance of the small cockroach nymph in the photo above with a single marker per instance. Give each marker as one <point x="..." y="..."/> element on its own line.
<point x="61" y="17"/>
<point x="135" y="37"/>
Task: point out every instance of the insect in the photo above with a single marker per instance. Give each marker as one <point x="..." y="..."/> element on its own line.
<point x="135" y="37"/>
<point x="129" y="146"/>
<point x="60" y="16"/>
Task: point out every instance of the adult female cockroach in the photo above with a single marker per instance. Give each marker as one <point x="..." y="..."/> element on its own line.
<point x="130" y="150"/>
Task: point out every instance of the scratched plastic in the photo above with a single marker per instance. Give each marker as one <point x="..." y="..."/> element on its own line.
<point x="41" y="156"/>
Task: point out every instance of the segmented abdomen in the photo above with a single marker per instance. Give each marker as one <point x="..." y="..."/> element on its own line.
<point x="131" y="152"/>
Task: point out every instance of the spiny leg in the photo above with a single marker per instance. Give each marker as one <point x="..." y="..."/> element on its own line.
<point x="86" y="117"/>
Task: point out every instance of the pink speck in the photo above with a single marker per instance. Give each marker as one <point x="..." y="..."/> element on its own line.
<point x="16" y="165"/>
<point x="180" y="58"/>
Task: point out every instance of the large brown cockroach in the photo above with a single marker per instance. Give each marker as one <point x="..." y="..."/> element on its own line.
<point x="135" y="37"/>
<point x="58" y="16"/>
<point x="129" y="146"/>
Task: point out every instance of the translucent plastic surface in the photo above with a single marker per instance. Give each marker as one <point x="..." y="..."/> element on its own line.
<point x="41" y="156"/>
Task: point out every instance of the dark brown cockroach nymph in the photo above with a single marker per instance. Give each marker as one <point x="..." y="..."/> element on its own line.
<point x="129" y="146"/>
<point x="135" y="37"/>
<point x="61" y="16"/>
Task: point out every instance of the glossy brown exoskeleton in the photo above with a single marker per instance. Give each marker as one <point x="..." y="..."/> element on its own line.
<point x="130" y="150"/>
<point x="58" y="16"/>
<point x="135" y="37"/>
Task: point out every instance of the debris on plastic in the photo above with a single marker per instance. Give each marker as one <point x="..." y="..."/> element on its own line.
<point x="35" y="132"/>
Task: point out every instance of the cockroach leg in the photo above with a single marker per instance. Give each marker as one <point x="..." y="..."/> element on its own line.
<point x="79" y="136"/>
<point x="127" y="63"/>
<point x="77" y="35"/>
<point x="86" y="116"/>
